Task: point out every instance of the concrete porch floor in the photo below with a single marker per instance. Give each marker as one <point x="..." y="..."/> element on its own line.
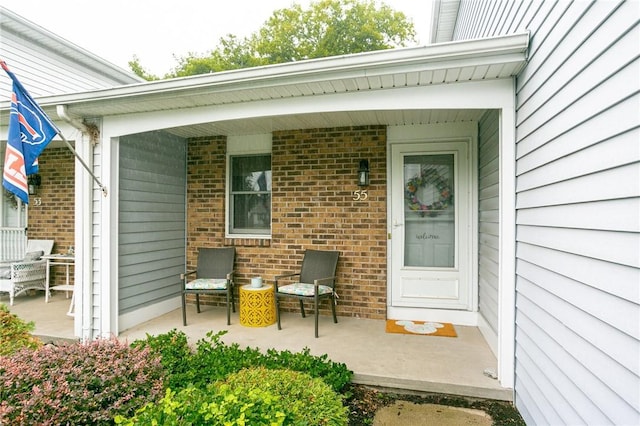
<point x="410" y="362"/>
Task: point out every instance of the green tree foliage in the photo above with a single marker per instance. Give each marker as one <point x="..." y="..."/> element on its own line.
<point x="326" y="28"/>
<point x="137" y="68"/>
<point x="331" y="28"/>
<point x="231" y="54"/>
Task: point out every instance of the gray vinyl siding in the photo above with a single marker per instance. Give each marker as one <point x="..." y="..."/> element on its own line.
<point x="152" y="219"/>
<point x="489" y="201"/>
<point x="578" y="206"/>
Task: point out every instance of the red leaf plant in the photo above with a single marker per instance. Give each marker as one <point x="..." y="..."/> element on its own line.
<point x="77" y="383"/>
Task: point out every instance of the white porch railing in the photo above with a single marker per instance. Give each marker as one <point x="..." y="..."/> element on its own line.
<point x="13" y="243"/>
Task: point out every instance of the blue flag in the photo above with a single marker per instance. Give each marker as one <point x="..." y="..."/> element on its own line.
<point x="30" y="131"/>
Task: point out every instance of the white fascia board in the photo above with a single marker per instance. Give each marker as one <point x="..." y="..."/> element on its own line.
<point x="445" y="55"/>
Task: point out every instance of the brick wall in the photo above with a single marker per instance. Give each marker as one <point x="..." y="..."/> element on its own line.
<point x="313" y="179"/>
<point x="205" y="194"/>
<point x="54" y="218"/>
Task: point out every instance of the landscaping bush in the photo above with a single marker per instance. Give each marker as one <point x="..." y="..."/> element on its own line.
<point x="254" y="396"/>
<point x="212" y="360"/>
<point x="175" y="357"/>
<point x="215" y="405"/>
<point x="77" y="383"/>
<point x="307" y="400"/>
<point x="15" y="333"/>
<point x="334" y="374"/>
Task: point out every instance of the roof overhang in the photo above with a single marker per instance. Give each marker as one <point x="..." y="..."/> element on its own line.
<point x="445" y="63"/>
<point x="444" y="15"/>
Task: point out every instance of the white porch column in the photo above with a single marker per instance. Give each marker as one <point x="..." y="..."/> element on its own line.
<point x="507" y="212"/>
<point x="82" y="242"/>
<point x="107" y="239"/>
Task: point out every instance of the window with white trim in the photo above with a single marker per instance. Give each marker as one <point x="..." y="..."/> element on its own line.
<point x="249" y="186"/>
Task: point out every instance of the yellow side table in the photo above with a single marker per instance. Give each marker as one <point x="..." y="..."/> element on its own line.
<point x="257" y="306"/>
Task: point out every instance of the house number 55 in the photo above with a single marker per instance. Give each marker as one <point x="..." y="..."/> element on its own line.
<point x="360" y="195"/>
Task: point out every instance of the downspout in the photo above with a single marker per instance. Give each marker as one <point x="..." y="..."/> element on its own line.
<point x="85" y="327"/>
<point x="64" y="114"/>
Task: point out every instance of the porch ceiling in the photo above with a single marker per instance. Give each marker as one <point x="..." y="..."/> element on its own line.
<point x="437" y="64"/>
<point x="326" y="120"/>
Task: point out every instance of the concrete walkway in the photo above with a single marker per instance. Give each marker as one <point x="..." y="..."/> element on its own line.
<point x="404" y="413"/>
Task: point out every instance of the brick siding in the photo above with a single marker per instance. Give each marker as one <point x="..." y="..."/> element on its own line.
<point x="313" y="179"/>
<point x="54" y="218"/>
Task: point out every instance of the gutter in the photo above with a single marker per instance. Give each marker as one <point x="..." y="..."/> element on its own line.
<point x="486" y="50"/>
<point x="65" y="116"/>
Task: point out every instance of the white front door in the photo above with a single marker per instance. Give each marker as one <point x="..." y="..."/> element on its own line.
<point x="430" y="226"/>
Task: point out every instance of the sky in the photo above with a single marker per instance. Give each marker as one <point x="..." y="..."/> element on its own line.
<point x="158" y="31"/>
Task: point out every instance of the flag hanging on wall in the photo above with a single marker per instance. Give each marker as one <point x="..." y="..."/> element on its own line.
<point x="30" y="131"/>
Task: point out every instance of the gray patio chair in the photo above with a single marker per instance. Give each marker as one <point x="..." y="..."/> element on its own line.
<point x="214" y="275"/>
<point x="316" y="281"/>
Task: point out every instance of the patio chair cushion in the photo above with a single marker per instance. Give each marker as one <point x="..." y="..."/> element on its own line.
<point x="33" y="255"/>
<point x="5" y="267"/>
<point x="303" y="289"/>
<point x="207" y="284"/>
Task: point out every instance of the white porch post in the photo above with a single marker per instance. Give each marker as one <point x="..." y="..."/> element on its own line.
<point x="506" y="278"/>
<point x="82" y="242"/>
<point x="108" y="305"/>
<point x="92" y="213"/>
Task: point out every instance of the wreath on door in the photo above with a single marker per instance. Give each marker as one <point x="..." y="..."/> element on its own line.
<point x="425" y="178"/>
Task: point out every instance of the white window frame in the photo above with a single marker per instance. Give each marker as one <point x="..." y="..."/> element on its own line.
<point x="238" y="146"/>
<point x="6" y="208"/>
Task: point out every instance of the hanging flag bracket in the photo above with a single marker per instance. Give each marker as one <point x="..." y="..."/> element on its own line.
<point x="75" y="154"/>
<point x="91" y="131"/>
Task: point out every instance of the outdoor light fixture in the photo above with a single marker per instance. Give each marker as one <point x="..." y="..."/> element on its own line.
<point x="34" y="182"/>
<point x="363" y="173"/>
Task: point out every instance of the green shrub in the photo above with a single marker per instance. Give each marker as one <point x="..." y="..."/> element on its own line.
<point x="77" y="383"/>
<point x="212" y="360"/>
<point x="175" y="357"/>
<point x="334" y="374"/>
<point x="254" y="396"/>
<point x="307" y="400"/>
<point x="15" y="333"/>
<point x="216" y="405"/>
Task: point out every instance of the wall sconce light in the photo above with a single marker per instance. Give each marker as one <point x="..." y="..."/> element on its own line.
<point x="34" y="182"/>
<point x="363" y="173"/>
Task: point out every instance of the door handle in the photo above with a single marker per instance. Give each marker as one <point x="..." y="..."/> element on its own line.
<point x="397" y="224"/>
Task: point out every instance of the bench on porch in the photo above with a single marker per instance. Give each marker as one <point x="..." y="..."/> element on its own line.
<point x="19" y="276"/>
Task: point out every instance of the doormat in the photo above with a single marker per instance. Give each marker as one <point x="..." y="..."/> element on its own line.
<point x="443" y="329"/>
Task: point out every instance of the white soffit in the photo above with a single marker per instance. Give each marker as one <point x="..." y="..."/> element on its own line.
<point x="432" y="65"/>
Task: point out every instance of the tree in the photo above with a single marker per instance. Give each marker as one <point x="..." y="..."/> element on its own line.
<point x="231" y="54"/>
<point x="331" y="28"/>
<point x="326" y="28"/>
<point x="135" y="66"/>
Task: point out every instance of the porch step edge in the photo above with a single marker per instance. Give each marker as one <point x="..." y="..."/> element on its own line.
<point x="501" y="394"/>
